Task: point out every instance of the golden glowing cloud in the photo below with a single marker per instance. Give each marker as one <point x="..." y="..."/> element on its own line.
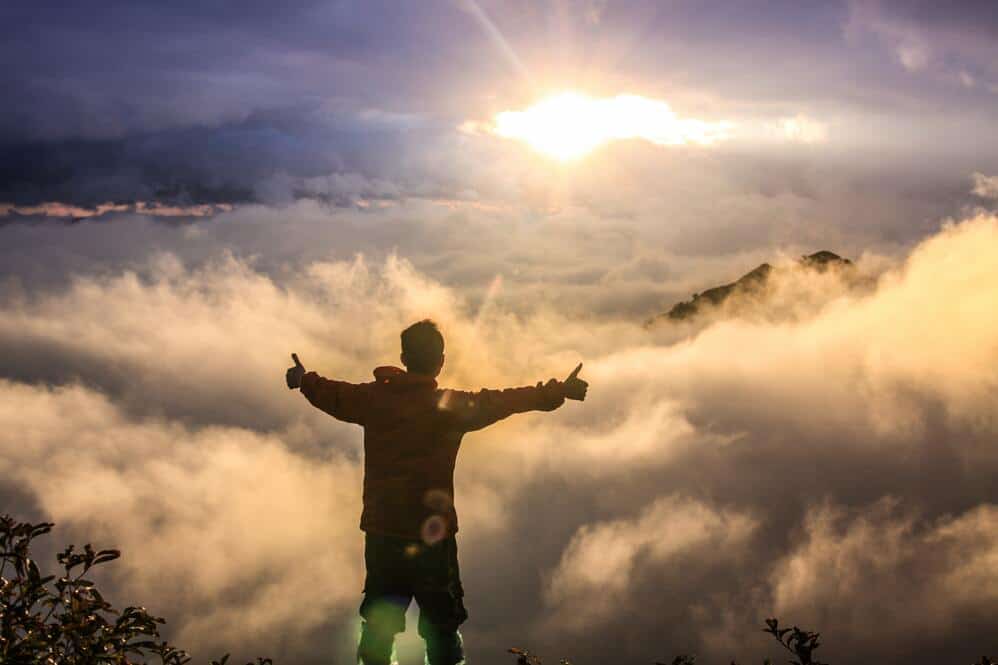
<point x="569" y="125"/>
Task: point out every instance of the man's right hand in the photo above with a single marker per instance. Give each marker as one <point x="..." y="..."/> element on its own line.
<point x="575" y="388"/>
<point x="295" y="373"/>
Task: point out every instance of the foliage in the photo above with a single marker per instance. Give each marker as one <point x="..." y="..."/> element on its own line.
<point x="65" y="619"/>
<point x="801" y="643"/>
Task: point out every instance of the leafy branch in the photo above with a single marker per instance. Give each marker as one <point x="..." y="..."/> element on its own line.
<point x="65" y="619"/>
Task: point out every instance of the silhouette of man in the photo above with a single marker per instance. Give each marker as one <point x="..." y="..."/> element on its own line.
<point x="412" y="432"/>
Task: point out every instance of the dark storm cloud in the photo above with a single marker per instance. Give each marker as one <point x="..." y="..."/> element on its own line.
<point x="203" y="101"/>
<point x="231" y="163"/>
<point x="199" y="103"/>
<point x="123" y="67"/>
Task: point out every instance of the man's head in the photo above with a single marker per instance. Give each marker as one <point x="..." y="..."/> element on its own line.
<point x="423" y="348"/>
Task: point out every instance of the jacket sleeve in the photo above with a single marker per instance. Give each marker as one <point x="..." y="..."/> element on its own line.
<point x="476" y="410"/>
<point x="344" y="401"/>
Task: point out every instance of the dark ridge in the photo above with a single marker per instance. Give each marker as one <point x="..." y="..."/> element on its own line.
<point x="821" y="260"/>
<point x="750" y="282"/>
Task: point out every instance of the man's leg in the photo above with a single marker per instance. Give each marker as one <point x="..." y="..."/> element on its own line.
<point x="387" y="593"/>
<point x="441" y="604"/>
<point x="383" y="616"/>
<point x="440" y="614"/>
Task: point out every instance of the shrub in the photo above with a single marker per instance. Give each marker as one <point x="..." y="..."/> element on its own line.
<point x="65" y="620"/>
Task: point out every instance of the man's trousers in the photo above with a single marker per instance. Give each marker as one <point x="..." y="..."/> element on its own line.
<point x="399" y="570"/>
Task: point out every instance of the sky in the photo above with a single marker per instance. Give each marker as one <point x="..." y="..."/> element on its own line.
<point x="191" y="191"/>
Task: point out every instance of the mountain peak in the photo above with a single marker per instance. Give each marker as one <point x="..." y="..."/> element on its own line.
<point x="753" y="281"/>
<point x="822" y="259"/>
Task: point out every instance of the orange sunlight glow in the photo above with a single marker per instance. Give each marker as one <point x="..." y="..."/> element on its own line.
<point x="569" y="125"/>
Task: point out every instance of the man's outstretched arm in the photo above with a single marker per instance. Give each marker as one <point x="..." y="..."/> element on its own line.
<point x="342" y="400"/>
<point x="485" y="407"/>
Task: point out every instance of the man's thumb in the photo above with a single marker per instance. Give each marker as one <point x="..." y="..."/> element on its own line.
<point x="294" y="356"/>
<point x="575" y="373"/>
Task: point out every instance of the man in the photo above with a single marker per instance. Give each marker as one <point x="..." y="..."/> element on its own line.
<point x="412" y="432"/>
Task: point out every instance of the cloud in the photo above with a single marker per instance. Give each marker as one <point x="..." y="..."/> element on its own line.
<point x="806" y="422"/>
<point x="985" y="186"/>
<point x="924" y="36"/>
<point x="855" y="565"/>
<point x="599" y="565"/>
<point x="155" y="209"/>
<point x="702" y="459"/>
<point x="224" y="529"/>
<point x="803" y="129"/>
<point x="912" y="55"/>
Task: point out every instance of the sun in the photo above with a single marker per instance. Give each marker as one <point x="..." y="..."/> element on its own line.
<point x="564" y="126"/>
<point x="570" y="125"/>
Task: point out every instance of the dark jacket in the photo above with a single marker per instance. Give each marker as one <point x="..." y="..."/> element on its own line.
<point x="412" y="432"/>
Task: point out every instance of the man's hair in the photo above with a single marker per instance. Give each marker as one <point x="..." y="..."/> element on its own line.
<point x="423" y="346"/>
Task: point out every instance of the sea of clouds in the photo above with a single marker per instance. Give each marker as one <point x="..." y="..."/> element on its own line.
<point x="834" y="465"/>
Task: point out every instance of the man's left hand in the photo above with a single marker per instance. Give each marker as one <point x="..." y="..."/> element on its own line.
<point x="295" y="374"/>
